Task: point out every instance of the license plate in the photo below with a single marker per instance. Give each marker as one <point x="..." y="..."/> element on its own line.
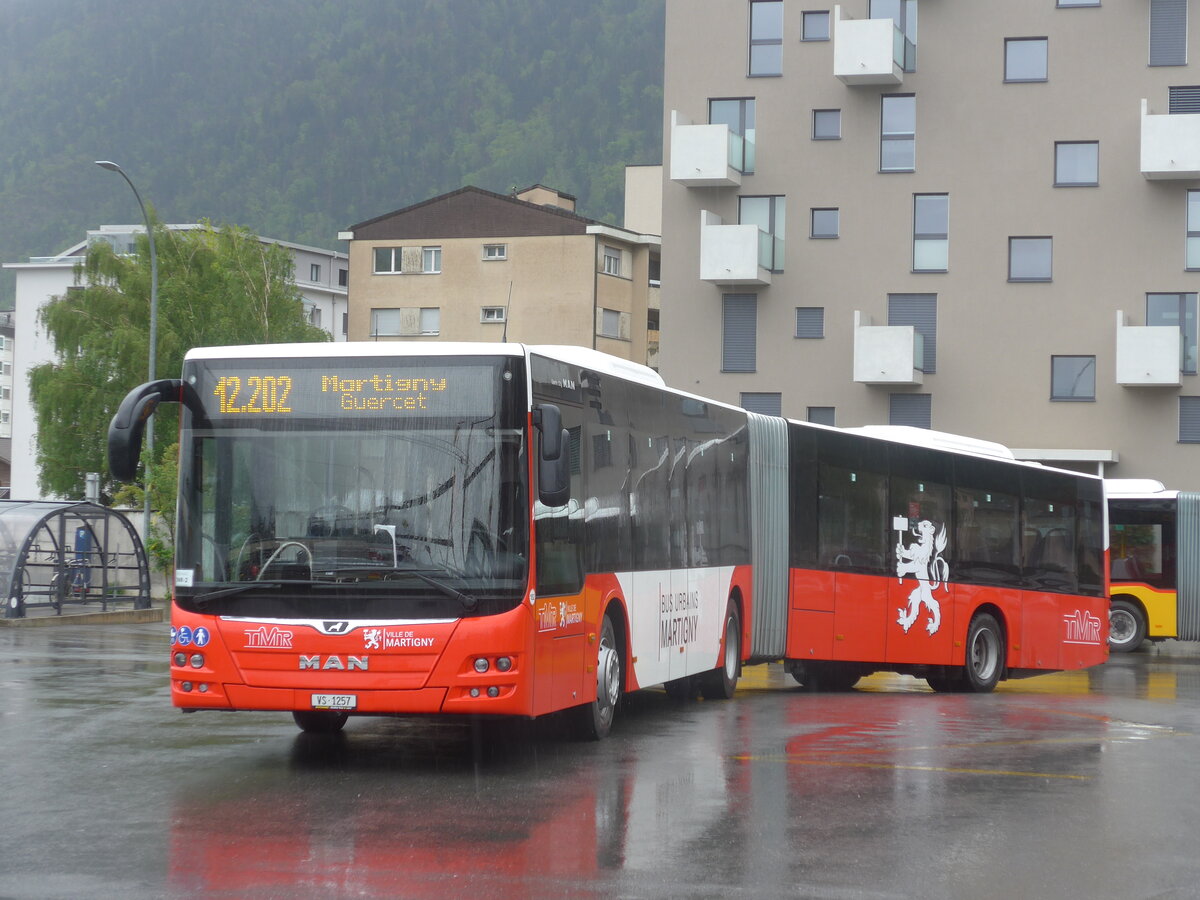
<point x="334" y="701"/>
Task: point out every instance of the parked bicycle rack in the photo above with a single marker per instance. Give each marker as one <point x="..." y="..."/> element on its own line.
<point x="57" y="553"/>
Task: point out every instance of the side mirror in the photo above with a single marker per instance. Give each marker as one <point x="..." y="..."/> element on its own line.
<point x="554" y="462"/>
<point x="128" y="426"/>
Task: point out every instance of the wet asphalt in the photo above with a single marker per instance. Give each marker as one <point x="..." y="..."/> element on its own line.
<point x="1080" y="784"/>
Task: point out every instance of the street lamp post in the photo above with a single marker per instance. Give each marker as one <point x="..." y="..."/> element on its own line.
<point x="113" y="167"/>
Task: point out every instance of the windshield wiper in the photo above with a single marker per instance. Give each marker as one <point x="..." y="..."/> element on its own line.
<point x="468" y="601"/>
<point x="208" y="596"/>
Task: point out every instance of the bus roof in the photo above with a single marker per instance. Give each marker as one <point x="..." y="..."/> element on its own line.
<point x="1137" y="489"/>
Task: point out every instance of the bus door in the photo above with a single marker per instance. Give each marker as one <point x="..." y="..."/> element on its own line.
<point x="559" y="624"/>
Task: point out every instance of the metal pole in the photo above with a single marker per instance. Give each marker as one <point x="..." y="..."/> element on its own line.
<point x="113" y="167"/>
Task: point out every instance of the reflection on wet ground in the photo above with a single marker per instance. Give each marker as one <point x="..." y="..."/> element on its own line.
<point x="1064" y="785"/>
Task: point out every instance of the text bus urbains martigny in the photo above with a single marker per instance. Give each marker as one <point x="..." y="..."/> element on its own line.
<point x="517" y="530"/>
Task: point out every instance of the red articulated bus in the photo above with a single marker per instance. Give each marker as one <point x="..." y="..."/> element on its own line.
<point x="500" y="529"/>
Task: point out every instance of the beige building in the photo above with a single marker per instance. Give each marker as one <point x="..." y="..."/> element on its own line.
<point x="473" y="265"/>
<point x="988" y="225"/>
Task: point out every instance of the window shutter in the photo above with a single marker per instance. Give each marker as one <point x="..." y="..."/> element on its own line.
<point x="1168" y="32"/>
<point x="810" y="321"/>
<point x="919" y="310"/>
<point x="739" y="326"/>
<point x="765" y="403"/>
<point x="1189" y="420"/>
<point x="1184" y="100"/>
<point x="916" y="410"/>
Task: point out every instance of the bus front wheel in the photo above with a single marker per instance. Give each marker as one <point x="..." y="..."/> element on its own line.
<point x="317" y="721"/>
<point x="1126" y="626"/>
<point x="595" y="719"/>
<point x="985" y="654"/>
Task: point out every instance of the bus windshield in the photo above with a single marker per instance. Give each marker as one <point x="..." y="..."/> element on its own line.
<point x="353" y="488"/>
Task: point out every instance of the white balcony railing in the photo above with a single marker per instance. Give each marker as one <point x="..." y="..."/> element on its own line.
<point x="887" y="354"/>
<point x="705" y="155"/>
<point x="734" y="254"/>
<point x="1148" y="355"/>
<point x="868" y="51"/>
<point x="1170" y="145"/>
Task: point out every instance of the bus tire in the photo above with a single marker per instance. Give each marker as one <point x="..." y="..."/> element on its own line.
<point x="319" y="721"/>
<point x="594" y="720"/>
<point x="721" y="682"/>
<point x="1126" y="626"/>
<point x="985" y="655"/>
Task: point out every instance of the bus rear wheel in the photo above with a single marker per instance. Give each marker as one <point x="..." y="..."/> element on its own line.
<point x="720" y="683"/>
<point x="1126" y="626"/>
<point x="594" y="720"/>
<point x="985" y="654"/>
<point x="318" y="721"/>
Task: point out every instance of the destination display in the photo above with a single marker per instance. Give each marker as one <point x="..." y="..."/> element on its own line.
<point x="350" y="387"/>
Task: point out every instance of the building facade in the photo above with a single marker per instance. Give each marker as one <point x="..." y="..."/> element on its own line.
<point x="988" y="224"/>
<point x="473" y="265"/>
<point x="321" y="276"/>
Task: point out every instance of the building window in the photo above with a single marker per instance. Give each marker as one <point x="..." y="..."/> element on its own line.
<point x="1176" y="311"/>
<point x="1189" y="420"/>
<point x="345" y="323"/>
<point x="810" y="322"/>
<point x="824" y="223"/>
<point x="1063" y="3"/>
<point x="495" y="251"/>
<point x="769" y="214"/>
<point x="314" y="272"/>
<point x="405" y="322"/>
<point x="904" y="14"/>
<point x="5" y="417"/>
<point x="652" y="318"/>
<point x="5" y="393"/>
<point x="820" y="415"/>
<point x="738" y="115"/>
<point x="610" y="323"/>
<point x="827" y="125"/>
<point x="920" y="311"/>
<point x="1183" y="100"/>
<point x="343" y="277"/>
<point x="1030" y="258"/>
<point x="1193" y="230"/>
<point x="766" y="404"/>
<point x="914" y="410"/>
<point x="766" y="37"/>
<point x="431" y="260"/>
<point x="931" y="232"/>
<point x="739" y="326"/>
<point x="1025" y="59"/>
<point x="898" y="133"/>
<point x="815" y="25"/>
<point x="388" y="260"/>
<point x="1168" y="32"/>
<point x="314" y="316"/>
<point x="612" y="261"/>
<point x="1076" y="163"/>
<point x="1072" y="378"/>
<point x="492" y="314"/>
<point x="385" y="322"/>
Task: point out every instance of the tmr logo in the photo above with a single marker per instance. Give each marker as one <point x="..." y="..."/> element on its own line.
<point x="334" y="663"/>
<point x="1082" y="627"/>
<point x="268" y="639"/>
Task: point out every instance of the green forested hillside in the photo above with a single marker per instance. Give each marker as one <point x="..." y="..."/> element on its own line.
<point x="297" y="118"/>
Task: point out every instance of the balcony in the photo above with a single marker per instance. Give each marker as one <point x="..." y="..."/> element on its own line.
<point x="1148" y="355"/>
<point x="868" y="51"/>
<point x="706" y="155"/>
<point x="737" y="254"/>
<point x="887" y="354"/>
<point x="1170" y="145"/>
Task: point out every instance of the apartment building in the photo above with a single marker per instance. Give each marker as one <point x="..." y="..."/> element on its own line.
<point x="473" y="265"/>
<point x="988" y="224"/>
<point x="320" y="275"/>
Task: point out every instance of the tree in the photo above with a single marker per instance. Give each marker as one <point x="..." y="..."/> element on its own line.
<point x="216" y="286"/>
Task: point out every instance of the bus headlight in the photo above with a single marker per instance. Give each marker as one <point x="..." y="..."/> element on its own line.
<point x="481" y="665"/>
<point x="503" y="663"/>
<point x="197" y="660"/>
<point x="181" y="659"/>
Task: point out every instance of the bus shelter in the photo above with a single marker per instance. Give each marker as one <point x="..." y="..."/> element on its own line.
<point x="55" y="553"/>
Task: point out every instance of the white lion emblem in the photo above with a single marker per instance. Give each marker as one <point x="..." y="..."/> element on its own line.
<point x="923" y="560"/>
